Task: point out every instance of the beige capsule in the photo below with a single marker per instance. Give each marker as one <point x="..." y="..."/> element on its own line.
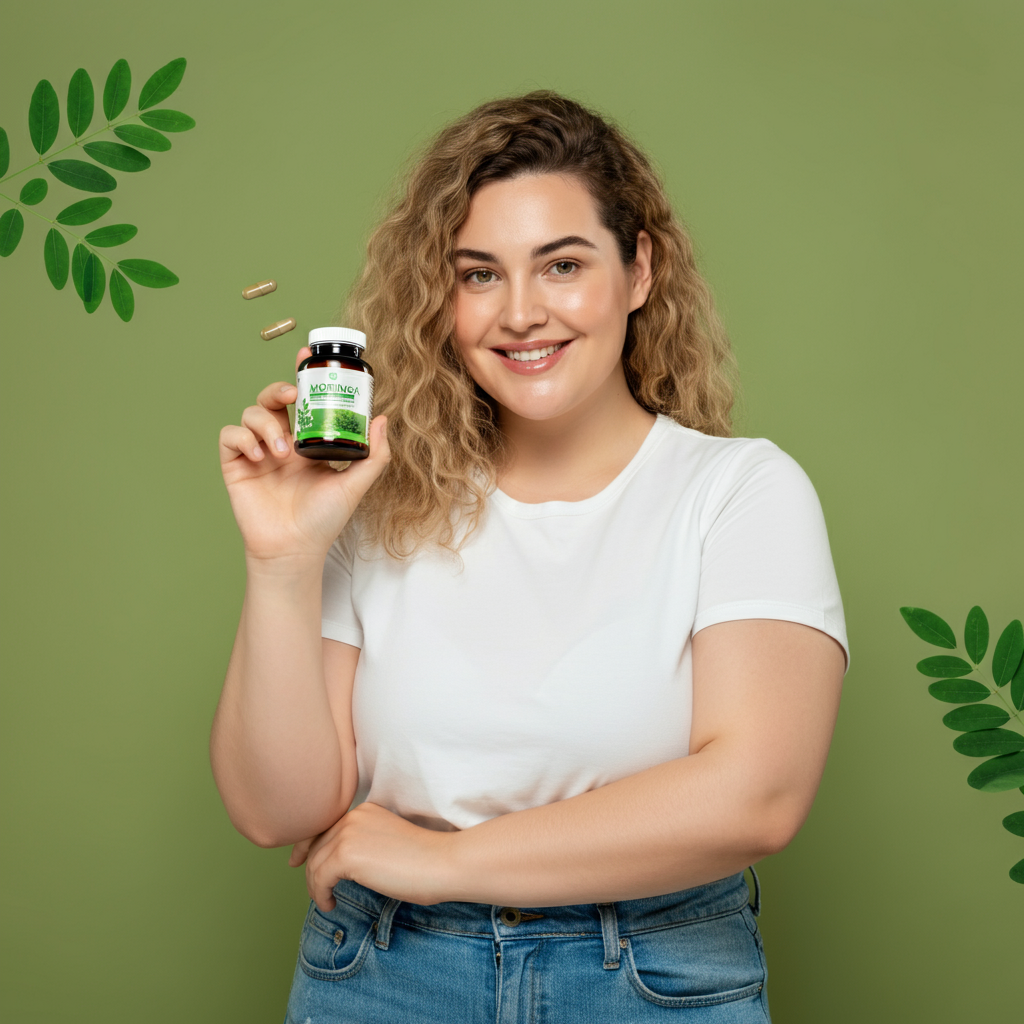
<point x="254" y="291"/>
<point x="276" y="330"/>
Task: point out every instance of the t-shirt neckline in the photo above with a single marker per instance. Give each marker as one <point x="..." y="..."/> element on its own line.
<point x="543" y="509"/>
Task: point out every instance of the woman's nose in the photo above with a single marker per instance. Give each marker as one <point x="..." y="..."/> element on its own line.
<point x="524" y="307"/>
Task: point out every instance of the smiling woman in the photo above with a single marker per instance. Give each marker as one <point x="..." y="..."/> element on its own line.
<point x="530" y="688"/>
<point x="539" y="303"/>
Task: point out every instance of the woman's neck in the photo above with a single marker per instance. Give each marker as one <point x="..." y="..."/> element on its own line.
<point x="576" y="455"/>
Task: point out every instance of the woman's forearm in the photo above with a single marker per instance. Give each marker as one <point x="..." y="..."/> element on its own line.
<point x="670" y="827"/>
<point x="274" y="746"/>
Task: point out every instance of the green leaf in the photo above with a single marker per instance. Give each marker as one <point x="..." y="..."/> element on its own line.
<point x="1017" y="872"/>
<point x="112" y="234"/>
<point x="43" y="117"/>
<point x="959" y="691"/>
<point x="87" y="275"/>
<point x="986" y="742"/>
<point x="121" y="158"/>
<point x="168" y="120"/>
<point x="929" y="627"/>
<point x="78" y="174"/>
<point x="117" y="89"/>
<point x="143" y="137"/>
<point x="85" y="211"/>
<point x="162" y="83"/>
<point x="998" y="773"/>
<point x="1017" y="687"/>
<point x="976" y="635"/>
<point x="93" y="283"/>
<point x="79" y="258"/>
<point x="1015" y="823"/>
<point x="121" y="296"/>
<point x="944" y="665"/>
<point x="56" y="258"/>
<point x="5" y="152"/>
<point x="81" y="101"/>
<point x="34" y="191"/>
<point x="974" y="717"/>
<point x="1007" y="657"/>
<point x="149" y="273"/>
<point x="12" y="224"/>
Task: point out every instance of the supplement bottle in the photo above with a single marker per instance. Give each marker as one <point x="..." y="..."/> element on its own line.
<point x="335" y="401"/>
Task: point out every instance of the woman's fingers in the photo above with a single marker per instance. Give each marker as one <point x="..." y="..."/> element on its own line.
<point x="277" y="396"/>
<point x="320" y="882"/>
<point x="270" y="427"/>
<point x="300" y="851"/>
<point x="238" y="441"/>
<point x="267" y="421"/>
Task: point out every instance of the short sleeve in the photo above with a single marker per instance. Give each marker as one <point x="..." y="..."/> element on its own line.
<point x="339" y="619"/>
<point x="765" y="552"/>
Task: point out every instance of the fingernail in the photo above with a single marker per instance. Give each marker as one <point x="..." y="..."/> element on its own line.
<point x="257" y="452"/>
<point x="281" y="445"/>
<point x="286" y="387"/>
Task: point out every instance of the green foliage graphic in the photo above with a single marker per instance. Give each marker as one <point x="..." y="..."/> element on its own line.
<point x="303" y="417"/>
<point x="981" y="725"/>
<point x="87" y="264"/>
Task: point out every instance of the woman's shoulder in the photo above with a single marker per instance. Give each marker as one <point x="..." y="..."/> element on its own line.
<point x="713" y="454"/>
<point x="715" y="472"/>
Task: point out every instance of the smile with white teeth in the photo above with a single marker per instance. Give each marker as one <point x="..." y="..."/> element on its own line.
<point x="529" y="355"/>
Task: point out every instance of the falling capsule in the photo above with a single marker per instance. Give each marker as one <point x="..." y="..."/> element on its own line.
<point x="254" y="291"/>
<point x="276" y="330"/>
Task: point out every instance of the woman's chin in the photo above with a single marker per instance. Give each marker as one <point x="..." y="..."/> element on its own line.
<point x="539" y="411"/>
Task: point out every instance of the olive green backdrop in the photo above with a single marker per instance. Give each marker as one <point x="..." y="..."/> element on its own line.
<point x="851" y="175"/>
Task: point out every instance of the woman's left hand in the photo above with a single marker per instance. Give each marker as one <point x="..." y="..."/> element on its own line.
<point x="381" y="850"/>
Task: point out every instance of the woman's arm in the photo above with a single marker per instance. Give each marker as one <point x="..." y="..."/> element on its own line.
<point x="766" y="695"/>
<point x="281" y="747"/>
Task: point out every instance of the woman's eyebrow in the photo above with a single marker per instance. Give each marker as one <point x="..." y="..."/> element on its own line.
<point x="542" y="250"/>
<point x="560" y="243"/>
<point x="475" y="254"/>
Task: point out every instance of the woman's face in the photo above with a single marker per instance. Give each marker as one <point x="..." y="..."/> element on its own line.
<point x="542" y="296"/>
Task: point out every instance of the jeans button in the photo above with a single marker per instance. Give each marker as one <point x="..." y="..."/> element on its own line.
<point x="510" y="916"/>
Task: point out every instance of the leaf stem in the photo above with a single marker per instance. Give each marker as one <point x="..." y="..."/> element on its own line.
<point x="998" y="691"/>
<point x="71" y="145"/>
<point x="56" y="224"/>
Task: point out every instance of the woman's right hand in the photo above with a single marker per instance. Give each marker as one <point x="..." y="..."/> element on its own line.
<point x="287" y="506"/>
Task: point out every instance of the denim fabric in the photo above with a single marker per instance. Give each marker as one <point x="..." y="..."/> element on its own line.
<point x="693" y="956"/>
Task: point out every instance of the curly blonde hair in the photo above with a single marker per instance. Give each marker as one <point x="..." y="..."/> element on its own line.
<point x="446" y="446"/>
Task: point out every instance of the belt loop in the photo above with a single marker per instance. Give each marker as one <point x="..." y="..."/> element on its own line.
<point x="383" y="925"/>
<point x="610" y="930"/>
<point x="756" y="905"/>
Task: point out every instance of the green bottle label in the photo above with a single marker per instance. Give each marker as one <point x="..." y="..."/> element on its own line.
<point x="334" y="404"/>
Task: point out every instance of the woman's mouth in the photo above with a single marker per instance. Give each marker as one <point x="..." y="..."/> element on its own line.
<point x="532" y="360"/>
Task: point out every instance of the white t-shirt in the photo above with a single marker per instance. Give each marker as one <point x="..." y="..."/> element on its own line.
<point x="555" y="657"/>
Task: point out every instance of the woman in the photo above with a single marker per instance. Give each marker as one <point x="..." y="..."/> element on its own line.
<point x="591" y="647"/>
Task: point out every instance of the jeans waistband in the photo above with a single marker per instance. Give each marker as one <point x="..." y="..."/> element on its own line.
<point x="612" y="921"/>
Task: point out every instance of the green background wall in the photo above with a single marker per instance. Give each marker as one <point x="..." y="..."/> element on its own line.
<point x="851" y="175"/>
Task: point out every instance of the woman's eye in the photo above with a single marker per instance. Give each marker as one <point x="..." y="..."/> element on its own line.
<point x="480" y="276"/>
<point x="563" y="267"/>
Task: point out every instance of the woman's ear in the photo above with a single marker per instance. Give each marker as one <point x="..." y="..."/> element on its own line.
<point x="641" y="271"/>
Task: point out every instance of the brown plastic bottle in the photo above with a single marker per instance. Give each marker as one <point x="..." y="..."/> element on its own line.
<point x="334" y="405"/>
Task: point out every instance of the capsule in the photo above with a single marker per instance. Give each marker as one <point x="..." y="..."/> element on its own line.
<point x="276" y="330"/>
<point x="254" y="291"/>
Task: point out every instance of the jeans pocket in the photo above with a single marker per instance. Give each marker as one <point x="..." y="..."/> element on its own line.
<point x="334" y="944"/>
<point x="696" y="963"/>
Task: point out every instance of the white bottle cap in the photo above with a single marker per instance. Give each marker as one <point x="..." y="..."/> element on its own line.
<point x="344" y="335"/>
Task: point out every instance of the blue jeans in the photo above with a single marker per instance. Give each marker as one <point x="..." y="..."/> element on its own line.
<point x="693" y="956"/>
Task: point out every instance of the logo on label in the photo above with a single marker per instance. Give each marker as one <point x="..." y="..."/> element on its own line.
<point x="333" y="376"/>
